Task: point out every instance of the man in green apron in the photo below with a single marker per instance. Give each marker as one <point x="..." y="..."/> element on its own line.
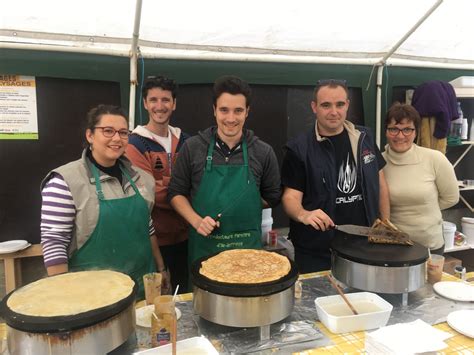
<point x="224" y="177"/>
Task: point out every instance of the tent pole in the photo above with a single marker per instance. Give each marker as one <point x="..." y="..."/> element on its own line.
<point x="381" y="64"/>
<point x="378" y="105"/>
<point x="133" y="64"/>
<point x="409" y="33"/>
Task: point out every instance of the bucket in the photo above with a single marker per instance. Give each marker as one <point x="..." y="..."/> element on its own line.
<point x="267" y="222"/>
<point x="449" y="229"/>
<point x="468" y="229"/>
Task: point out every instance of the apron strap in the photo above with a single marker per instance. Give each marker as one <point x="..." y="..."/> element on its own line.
<point x="210" y="150"/>
<point x="246" y="160"/>
<point x="98" y="186"/>
<point x="130" y="180"/>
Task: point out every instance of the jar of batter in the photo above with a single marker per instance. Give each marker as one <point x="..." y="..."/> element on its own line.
<point x="163" y="321"/>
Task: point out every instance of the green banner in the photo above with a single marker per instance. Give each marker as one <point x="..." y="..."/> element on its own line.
<point x="19" y="136"/>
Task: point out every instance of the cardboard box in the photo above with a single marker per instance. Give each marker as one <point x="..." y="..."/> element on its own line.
<point x="449" y="264"/>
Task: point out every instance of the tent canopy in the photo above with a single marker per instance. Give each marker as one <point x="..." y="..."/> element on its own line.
<point x="337" y="31"/>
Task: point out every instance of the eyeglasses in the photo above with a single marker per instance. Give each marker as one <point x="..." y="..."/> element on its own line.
<point x="162" y="79"/>
<point x="109" y="132"/>
<point x="326" y="82"/>
<point x="393" y="131"/>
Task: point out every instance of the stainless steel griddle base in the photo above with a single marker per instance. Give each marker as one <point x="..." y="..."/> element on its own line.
<point x="243" y="311"/>
<point x="100" y="338"/>
<point x="382" y="279"/>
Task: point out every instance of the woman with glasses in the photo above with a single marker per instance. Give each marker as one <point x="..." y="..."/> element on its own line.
<point x="95" y="211"/>
<point x="421" y="181"/>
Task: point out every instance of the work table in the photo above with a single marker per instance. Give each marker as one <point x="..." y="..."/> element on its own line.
<point x="423" y="304"/>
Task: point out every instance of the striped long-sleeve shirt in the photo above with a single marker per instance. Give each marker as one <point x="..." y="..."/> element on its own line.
<point x="57" y="220"/>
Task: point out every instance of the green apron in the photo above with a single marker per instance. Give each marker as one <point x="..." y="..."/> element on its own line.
<point x="120" y="240"/>
<point x="232" y="191"/>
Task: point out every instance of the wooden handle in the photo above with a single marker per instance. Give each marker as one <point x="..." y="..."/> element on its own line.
<point x="342" y="294"/>
<point x="174" y="335"/>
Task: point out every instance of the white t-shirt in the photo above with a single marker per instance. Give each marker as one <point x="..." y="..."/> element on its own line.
<point x="164" y="141"/>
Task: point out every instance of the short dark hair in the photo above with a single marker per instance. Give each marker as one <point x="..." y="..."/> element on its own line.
<point x="332" y="83"/>
<point x="232" y="85"/>
<point x="398" y="112"/>
<point x="160" y="82"/>
<point x="95" y="114"/>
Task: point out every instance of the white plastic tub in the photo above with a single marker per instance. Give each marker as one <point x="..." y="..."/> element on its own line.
<point x="468" y="228"/>
<point x="334" y="313"/>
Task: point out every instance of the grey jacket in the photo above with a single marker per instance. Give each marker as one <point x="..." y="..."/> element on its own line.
<point x="81" y="183"/>
<point x="190" y="165"/>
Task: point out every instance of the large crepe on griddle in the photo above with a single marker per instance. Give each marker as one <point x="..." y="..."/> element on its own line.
<point x="245" y="266"/>
<point x="71" y="293"/>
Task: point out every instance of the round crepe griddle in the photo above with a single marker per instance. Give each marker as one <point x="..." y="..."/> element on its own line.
<point x="357" y="248"/>
<point x="242" y="290"/>
<point x="55" y="324"/>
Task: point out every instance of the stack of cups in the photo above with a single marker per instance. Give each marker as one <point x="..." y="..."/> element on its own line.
<point x="449" y="230"/>
<point x="267" y="222"/>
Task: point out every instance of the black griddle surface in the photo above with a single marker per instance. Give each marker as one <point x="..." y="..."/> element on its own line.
<point x="358" y="249"/>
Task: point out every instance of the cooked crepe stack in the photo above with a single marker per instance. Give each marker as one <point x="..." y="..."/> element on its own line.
<point x="387" y="225"/>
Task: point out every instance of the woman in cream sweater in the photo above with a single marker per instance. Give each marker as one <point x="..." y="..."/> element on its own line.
<point x="421" y="181"/>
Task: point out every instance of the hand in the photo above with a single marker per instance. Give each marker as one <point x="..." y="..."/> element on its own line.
<point x="318" y="219"/>
<point x="165" y="282"/>
<point x="206" y="226"/>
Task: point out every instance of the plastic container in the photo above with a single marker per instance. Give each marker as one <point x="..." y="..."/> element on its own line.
<point x="449" y="230"/>
<point x="267" y="222"/>
<point x="163" y="321"/>
<point x="334" y="313"/>
<point x="456" y="128"/>
<point x="471" y="132"/>
<point x="467" y="224"/>
<point x="464" y="129"/>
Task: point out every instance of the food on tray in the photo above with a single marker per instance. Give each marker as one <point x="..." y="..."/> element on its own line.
<point x="395" y="238"/>
<point x="245" y="266"/>
<point x="71" y="293"/>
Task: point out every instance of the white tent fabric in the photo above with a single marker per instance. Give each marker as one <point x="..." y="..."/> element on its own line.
<point x="336" y="31"/>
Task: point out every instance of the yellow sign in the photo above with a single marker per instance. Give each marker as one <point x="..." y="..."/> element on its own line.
<point x="18" y="114"/>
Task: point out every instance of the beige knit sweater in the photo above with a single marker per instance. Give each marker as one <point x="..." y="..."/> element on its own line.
<point x="422" y="182"/>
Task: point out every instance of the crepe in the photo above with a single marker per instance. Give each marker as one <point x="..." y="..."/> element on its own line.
<point x="387" y="225"/>
<point x="245" y="266"/>
<point x="71" y="293"/>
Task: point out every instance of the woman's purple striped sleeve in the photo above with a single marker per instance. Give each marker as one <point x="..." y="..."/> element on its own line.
<point x="57" y="220"/>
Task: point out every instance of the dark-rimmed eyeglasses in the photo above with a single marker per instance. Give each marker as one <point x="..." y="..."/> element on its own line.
<point x="393" y="131"/>
<point x="326" y="82"/>
<point x="109" y="132"/>
<point x="162" y="79"/>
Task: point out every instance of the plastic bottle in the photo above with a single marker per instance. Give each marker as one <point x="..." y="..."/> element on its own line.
<point x="471" y="133"/>
<point x="463" y="121"/>
<point x="457" y="124"/>
<point x="464" y="129"/>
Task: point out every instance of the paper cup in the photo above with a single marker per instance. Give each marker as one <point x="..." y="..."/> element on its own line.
<point x="435" y="268"/>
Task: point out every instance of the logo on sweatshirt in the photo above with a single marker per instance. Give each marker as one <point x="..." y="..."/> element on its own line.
<point x="347" y="177"/>
<point x="368" y="156"/>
